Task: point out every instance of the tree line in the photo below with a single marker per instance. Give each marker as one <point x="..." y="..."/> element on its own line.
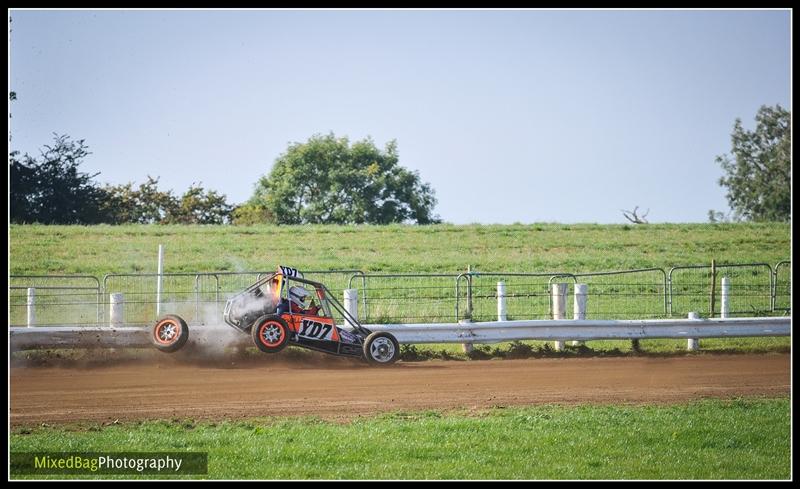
<point x="51" y="189"/>
<point x="323" y="181"/>
<point x="328" y="180"/>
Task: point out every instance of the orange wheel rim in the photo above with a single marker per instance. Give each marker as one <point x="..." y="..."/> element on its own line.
<point x="167" y="332"/>
<point x="271" y="333"/>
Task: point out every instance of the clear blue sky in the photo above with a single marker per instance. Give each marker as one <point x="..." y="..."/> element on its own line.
<point x="512" y="116"/>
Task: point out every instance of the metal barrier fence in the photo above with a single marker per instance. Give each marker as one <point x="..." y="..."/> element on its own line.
<point x="198" y="297"/>
<point x="691" y="289"/>
<point x="527" y="295"/>
<point x="59" y="299"/>
<point x="409" y="298"/>
<point x="782" y="288"/>
<point x="215" y="288"/>
<point x="179" y="295"/>
<point x="756" y="289"/>
<point x="337" y="281"/>
<point x="626" y="294"/>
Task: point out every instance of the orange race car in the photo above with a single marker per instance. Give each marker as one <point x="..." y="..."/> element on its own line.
<point x="279" y="310"/>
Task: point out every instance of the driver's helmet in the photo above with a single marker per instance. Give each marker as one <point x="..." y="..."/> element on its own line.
<point x="298" y="295"/>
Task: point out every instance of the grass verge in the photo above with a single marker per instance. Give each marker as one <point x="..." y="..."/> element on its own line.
<point x="97" y="250"/>
<point x="708" y="439"/>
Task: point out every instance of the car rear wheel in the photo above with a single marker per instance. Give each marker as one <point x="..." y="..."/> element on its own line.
<point x="381" y="348"/>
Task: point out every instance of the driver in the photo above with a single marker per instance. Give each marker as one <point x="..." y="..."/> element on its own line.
<point x="297" y="299"/>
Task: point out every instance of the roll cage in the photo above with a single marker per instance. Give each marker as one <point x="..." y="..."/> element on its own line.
<point x="268" y="293"/>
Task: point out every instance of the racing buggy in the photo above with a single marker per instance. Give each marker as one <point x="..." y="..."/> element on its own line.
<point x="273" y="311"/>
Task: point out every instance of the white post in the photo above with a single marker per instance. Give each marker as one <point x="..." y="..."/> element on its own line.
<point x="159" y="282"/>
<point x="579" y="306"/>
<point x="693" y="344"/>
<point x="559" y="298"/>
<point x="116" y="309"/>
<point x="31" y="306"/>
<point x="726" y="293"/>
<point x="501" y="302"/>
<point x="351" y="305"/>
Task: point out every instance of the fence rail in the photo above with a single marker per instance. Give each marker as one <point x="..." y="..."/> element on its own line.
<point x="486" y="332"/>
<point x="59" y="298"/>
<point x="756" y="289"/>
<point x="642" y="293"/>
<point x="782" y="287"/>
<point x="527" y="295"/>
<point x="752" y="288"/>
<point x="409" y="298"/>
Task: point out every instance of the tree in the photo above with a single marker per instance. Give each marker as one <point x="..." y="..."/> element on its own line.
<point x="758" y="173"/>
<point x="143" y="205"/>
<point x="248" y="214"/>
<point x="149" y="205"/>
<point x="21" y="183"/>
<point x="633" y="217"/>
<point x="200" y="206"/>
<point x="329" y="181"/>
<point x="50" y="189"/>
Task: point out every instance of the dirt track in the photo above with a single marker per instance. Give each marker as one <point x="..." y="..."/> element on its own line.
<point x="169" y="389"/>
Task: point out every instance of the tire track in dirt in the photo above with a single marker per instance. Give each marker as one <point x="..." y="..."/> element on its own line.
<point x="167" y="389"/>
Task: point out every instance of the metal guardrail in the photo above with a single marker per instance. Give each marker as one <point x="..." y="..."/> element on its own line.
<point x="86" y="336"/>
<point x="462" y="332"/>
<point x="584" y="330"/>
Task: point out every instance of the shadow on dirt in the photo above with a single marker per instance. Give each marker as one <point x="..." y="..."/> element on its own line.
<point x="233" y="357"/>
<point x="229" y="358"/>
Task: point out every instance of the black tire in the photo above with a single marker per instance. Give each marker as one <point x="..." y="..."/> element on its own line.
<point x="381" y="348"/>
<point x="170" y="333"/>
<point x="270" y="333"/>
